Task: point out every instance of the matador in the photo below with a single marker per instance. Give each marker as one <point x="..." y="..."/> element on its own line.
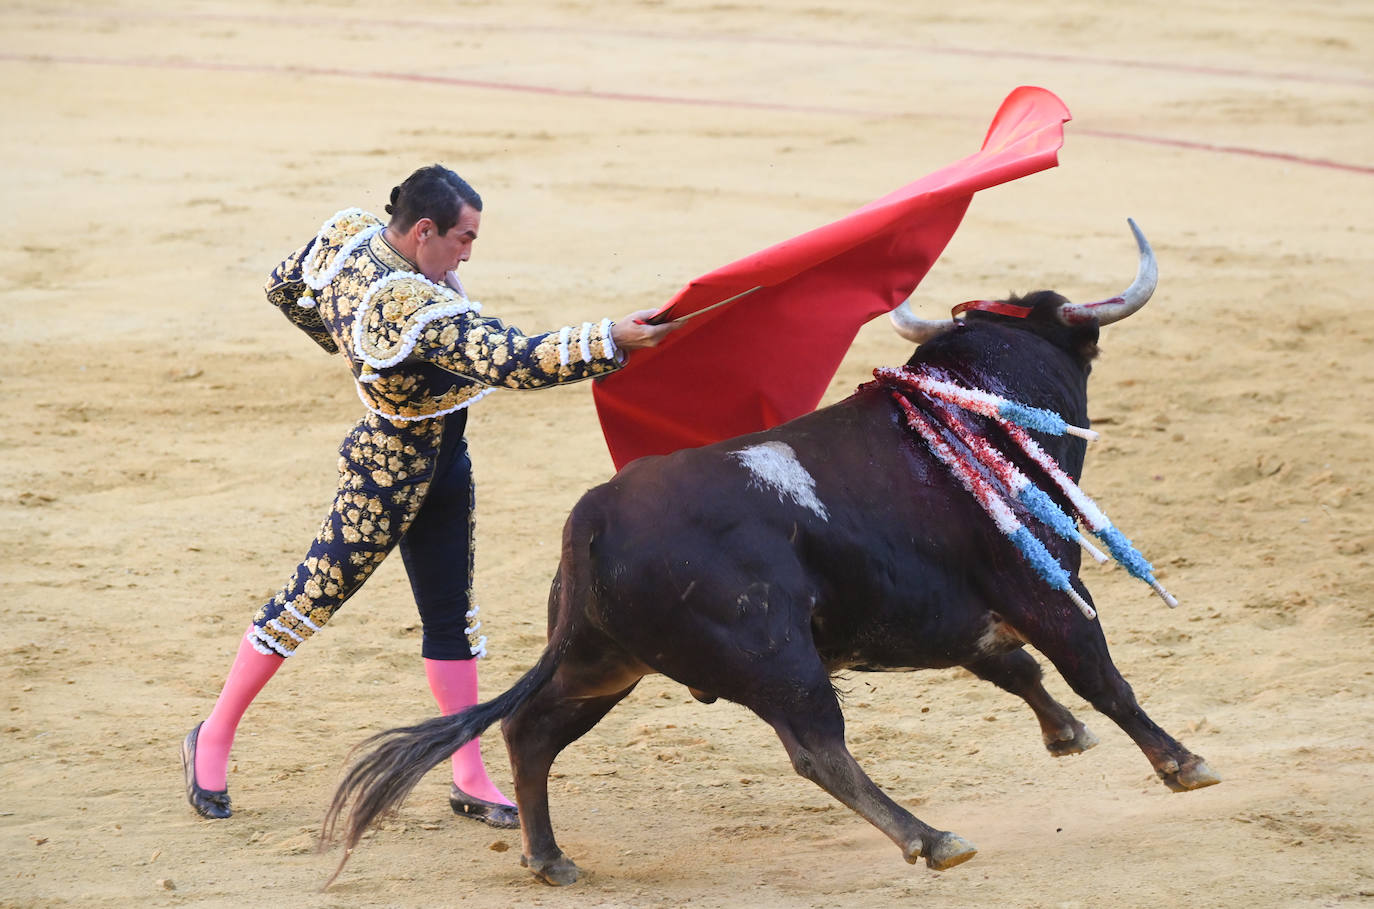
<point x="386" y="296"/>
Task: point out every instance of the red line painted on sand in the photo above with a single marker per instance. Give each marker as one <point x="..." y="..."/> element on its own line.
<point x="392" y="76"/>
<point x="736" y="38"/>
<point x="1226" y="149"/>
<point x="487" y="85"/>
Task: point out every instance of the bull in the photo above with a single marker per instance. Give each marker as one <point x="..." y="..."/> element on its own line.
<point x="757" y="568"/>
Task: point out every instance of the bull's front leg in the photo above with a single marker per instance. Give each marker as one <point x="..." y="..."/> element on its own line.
<point x="1017" y="672"/>
<point x="1078" y="649"/>
<point x="811" y="728"/>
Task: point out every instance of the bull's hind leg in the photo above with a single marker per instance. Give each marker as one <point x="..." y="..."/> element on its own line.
<point x="806" y="715"/>
<point x="1078" y="649"/>
<point x="583" y="690"/>
<point x="1017" y="672"/>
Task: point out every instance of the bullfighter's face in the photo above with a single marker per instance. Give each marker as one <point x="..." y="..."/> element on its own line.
<point x="436" y="254"/>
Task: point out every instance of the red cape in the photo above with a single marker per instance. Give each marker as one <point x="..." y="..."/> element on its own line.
<point x="769" y="356"/>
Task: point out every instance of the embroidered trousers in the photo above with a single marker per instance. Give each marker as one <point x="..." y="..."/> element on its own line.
<point x="406" y="483"/>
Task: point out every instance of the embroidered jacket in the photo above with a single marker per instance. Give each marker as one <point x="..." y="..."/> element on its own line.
<point x="418" y="349"/>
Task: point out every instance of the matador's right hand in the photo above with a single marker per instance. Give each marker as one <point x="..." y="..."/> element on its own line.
<point x="632" y="332"/>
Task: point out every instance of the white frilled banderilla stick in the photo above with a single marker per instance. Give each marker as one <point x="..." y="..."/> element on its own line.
<point x="985" y="403"/>
<point x="1019" y="485"/>
<point x="987" y="496"/>
<point x="1012" y="415"/>
<point x="1116" y="542"/>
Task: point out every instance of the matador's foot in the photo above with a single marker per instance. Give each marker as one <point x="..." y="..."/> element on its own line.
<point x="493" y="814"/>
<point x="207" y="802"/>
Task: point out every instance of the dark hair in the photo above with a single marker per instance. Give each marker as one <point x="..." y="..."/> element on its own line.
<point x="433" y="192"/>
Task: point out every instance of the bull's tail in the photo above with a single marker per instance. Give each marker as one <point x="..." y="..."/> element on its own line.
<point x="379" y="782"/>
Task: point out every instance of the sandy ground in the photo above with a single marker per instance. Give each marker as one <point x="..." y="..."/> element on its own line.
<point x="169" y="439"/>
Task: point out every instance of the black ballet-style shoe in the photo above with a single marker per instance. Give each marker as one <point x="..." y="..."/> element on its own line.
<point x="207" y="803"/>
<point x="493" y="814"/>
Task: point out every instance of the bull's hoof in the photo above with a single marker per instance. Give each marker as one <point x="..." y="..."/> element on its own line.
<point x="1195" y="774"/>
<point x="556" y="872"/>
<point x="1076" y="741"/>
<point x="949" y="850"/>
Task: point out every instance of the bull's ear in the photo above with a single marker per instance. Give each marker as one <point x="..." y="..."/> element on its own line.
<point x="1079" y="339"/>
<point x="1084" y="341"/>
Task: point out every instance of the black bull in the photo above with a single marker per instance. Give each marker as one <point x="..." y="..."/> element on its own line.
<point x="757" y="568"/>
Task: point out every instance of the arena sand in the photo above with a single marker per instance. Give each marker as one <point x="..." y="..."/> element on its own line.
<point x="169" y="439"/>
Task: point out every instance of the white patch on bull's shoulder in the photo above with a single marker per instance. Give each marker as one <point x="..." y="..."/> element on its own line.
<point x="775" y="466"/>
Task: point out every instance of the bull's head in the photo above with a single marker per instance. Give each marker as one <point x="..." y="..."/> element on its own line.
<point x="1072" y="315"/>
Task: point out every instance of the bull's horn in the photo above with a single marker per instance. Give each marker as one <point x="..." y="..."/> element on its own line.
<point x="914" y="328"/>
<point x="1115" y="309"/>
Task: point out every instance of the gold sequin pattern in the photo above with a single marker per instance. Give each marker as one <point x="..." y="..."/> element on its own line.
<point x="285" y="289"/>
<point x="384" y="472"/>
<point x="385" y="464"/>
<point x="473" y="352"/>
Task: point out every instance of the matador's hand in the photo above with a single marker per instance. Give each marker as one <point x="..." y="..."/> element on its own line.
<point x="632" y="333"/>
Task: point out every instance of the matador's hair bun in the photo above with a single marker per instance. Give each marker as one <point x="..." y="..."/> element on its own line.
<point x="433" y="192"/>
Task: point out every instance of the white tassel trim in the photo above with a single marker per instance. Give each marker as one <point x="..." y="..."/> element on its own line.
<point x="584" y="342"/>
<point x="319" y="280"/>
<point x="266" y="645"/>
<point x="608" y="348"/>
<point x="411" y="336"/>
<point x="429" y="416"/>
<point x="480" y="651"/>
<point x="564" y="357"/>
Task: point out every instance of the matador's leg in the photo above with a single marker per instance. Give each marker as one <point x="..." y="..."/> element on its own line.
<point x="438" y="554"/>
<point x="384" y="473"/>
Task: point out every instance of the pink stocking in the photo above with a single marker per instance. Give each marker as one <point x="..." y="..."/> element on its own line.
<point x="454" y="685"/>
<point x="250" y="672"/>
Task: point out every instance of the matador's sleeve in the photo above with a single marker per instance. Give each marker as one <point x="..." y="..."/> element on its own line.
<point x="410" y="319"/>
<point x="285" y="288"/>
